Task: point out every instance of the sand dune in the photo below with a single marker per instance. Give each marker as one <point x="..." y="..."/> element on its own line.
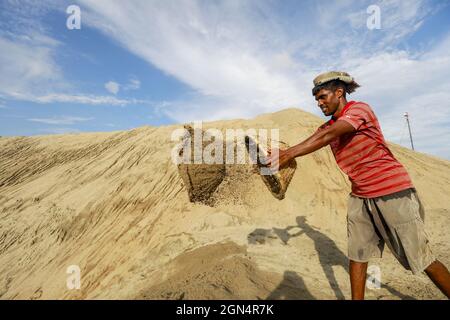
<point x="115" y="205"/>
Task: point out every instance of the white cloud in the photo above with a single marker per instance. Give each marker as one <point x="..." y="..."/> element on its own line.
<point x="24" y="16"/>
<point x="64" y="120"/>
<point x="61" y="130"/>
<point x="398" y="20"/>
<point x="216" y="57"/>
<point x="112" y="87"/>
<point x="85" y="99"/>
<point x="133" y="84"/>
<point x="396" y="83"/>
<point x="27" y="52"/>
<point x="28" y="72"/>
<point x="244" y="58"/>
<point x="27" y="66"/>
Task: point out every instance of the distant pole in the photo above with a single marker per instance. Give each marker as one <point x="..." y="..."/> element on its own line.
<point x="409" y="129"/>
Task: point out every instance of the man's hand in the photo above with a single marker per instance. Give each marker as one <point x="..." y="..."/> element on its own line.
<point x="279" y="161"/>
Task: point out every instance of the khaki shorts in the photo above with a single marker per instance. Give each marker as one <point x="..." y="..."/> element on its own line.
<point x="397" y="220"/>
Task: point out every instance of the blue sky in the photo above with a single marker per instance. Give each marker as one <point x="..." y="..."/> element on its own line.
<point x="137" y="63"/>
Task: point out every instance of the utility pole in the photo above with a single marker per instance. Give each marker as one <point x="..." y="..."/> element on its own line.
<point x="409" y="129"/>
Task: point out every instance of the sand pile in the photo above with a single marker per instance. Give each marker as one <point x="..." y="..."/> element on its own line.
<point x="115" y="205"/>
<point x="216" y="271"/>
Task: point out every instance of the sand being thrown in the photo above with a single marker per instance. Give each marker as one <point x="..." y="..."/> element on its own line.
<point x="230" y="183"/>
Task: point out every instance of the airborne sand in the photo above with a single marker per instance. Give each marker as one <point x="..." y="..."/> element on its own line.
<point x="114" y="204"/>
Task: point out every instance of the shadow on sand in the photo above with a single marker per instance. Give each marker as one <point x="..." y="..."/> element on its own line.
<point x="293" y="286"/>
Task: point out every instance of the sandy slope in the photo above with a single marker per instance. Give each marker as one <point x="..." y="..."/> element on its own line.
<point x="114" y="204"/>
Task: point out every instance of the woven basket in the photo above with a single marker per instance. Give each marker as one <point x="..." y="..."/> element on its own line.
<point x="277" y="182"/>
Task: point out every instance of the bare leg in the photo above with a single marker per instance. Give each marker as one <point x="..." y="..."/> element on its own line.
<point x="440" y="276"/>
<point x="358" y="274"/>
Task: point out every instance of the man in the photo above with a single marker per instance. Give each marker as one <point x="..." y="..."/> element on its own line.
<point x="383" y="206"/>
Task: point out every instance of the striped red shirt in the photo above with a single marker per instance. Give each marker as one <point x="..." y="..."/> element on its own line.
<point x="364" y="155"/>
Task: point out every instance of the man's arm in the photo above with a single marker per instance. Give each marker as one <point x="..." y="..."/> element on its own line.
<point x="321" y="139"/>
<point x="318" y="140"/>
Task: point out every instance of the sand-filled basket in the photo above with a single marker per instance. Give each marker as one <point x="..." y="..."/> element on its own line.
<point x="277" y="181"/>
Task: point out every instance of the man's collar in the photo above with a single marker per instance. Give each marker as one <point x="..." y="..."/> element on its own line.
<point x="344" y="109"/>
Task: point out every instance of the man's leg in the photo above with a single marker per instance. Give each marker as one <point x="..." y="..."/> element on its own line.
<point x="364" y="242"/>
<point x="404" y="212"/>
<point x="358" y="274"/>
<point x="440" y="276"/>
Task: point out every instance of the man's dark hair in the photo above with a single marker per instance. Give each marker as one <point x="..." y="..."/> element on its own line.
<point x="335" y="84"/>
